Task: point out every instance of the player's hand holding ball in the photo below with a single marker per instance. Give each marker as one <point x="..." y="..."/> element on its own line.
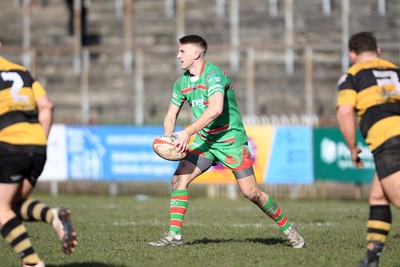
<point x="167" y="147"/>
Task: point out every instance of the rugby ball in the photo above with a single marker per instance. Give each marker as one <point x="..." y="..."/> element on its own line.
<point x="164" y="146"/>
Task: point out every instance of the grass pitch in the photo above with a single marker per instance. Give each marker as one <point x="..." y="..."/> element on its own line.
<point x="114" y="231"/>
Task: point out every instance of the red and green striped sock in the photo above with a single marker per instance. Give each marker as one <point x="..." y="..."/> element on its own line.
<point x="275" y="213"/>
<point x="178" y="206"/>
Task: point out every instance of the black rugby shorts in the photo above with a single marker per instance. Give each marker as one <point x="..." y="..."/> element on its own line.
<point x="387" y="161"/>
<point x="15" y="167"/>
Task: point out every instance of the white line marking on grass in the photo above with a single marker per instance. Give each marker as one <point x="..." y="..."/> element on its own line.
<point x="125" y="223"/>
<point x="233" y="225"/>
<point x="323" y="224"/>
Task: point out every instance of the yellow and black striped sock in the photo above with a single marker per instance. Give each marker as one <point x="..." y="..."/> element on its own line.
<point x="15" y="234"/>
<point x="33" y="210"/>
<point x="378" y="227"/>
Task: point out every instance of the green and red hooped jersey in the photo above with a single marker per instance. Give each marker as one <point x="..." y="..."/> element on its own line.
<point x="225" y="131"/>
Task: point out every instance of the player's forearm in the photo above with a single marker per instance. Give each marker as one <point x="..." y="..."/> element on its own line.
<point x="209" y="115"/>
<point x="169" y="124"/>
<point x="347" y="125"/>
<point x="46" y="119"/>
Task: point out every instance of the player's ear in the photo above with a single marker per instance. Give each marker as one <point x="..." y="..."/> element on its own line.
<point x="197" y="54"/>
<point x="378" y="51"/>
<point x="353" y="56"/>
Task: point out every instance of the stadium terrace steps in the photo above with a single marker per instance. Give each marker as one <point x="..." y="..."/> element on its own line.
<point x="276" y="91"/>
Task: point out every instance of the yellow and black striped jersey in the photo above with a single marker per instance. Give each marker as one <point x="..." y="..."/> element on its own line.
<point x="372" y="87"/>
<point x="20" y="130"/>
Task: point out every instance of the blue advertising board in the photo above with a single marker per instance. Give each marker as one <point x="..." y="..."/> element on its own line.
<point x="115" y="153"/>
<point x="291" y="156"/>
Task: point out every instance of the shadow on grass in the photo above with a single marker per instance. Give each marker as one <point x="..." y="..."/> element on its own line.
<point x="265" y="241"/>
<point x="86" y="264"/>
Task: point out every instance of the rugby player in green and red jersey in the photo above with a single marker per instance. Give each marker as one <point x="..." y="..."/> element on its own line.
<point x="220" y="137"/>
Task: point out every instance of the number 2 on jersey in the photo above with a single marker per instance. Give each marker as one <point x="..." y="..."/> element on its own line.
<point x="17" y="85"/>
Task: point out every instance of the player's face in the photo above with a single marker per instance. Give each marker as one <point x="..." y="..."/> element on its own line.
<point x="186" y="55"/>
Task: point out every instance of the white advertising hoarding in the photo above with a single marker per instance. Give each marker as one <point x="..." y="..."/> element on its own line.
<point x="56" y="164"/>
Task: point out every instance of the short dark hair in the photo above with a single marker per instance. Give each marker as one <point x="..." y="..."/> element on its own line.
<point x="363" y="42"/>
<point x="196" y="40"/>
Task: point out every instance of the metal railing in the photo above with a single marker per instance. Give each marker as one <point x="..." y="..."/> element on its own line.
<point x="282" y="119"/>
